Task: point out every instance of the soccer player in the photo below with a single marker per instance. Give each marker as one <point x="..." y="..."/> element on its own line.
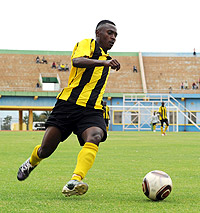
<point x="163" y="118"/>
<point x="78" y="108"/>
<point x="106" y="114"/>
<point x="154" y="120"/>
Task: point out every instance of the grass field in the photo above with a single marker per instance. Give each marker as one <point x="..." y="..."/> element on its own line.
<point x="115" y="180"/>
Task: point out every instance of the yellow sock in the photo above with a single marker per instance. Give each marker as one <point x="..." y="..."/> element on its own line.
<point x="107" y="128"/>
<point x="165" y="128"/>
<point x="154" y="127"/>
<point x="161" y="129"/>
<point x="35" y="160"/>
<point x="85" y="160"/>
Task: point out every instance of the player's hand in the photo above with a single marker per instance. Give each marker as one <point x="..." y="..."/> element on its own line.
<point x="114" y="64"/>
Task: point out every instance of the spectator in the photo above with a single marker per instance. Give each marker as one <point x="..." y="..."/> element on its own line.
<point x="44" y="60"/>
<point x="182" y="85"/>
<point x="170" y="90"/>
<point x="59" y="67"/>
<point x="194" y="53"/>
<point x="53" y="65"/>
<point x="37" y="85"/>
<point x="194" y="86"/>
<point x="197" y="85"/>
<point x="66" y="67"/>
<point x="62" y="66"/>
<point x="37" y="60"/>
<point x="186" y="85"/>
<point x="134" y="69"/>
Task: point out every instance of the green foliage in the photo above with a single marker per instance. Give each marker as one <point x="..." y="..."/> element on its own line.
<point x="115" y="180"/>
<point x="42" y="117"/>
<point x="6" y="123"/>
<point x="25" y="120"/>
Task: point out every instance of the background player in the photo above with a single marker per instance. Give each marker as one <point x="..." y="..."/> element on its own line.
<point x="154" y="120"/>
<point x="163" y="118"/>
<point x="78" y="108"/>
<point x="106" y="114"/>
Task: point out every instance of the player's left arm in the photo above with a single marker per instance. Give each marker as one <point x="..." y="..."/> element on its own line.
<point x="85" y="62"/>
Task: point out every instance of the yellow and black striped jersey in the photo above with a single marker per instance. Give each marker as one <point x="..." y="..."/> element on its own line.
<point x="86" y="86"/>
<point x="106" y="112"/>
<point x="163" y="112"/>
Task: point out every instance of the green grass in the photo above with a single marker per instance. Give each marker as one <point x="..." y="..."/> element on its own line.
<point x="115" y="180"/>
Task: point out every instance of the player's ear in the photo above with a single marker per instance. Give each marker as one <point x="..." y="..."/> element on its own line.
<point x="97" y="33"/>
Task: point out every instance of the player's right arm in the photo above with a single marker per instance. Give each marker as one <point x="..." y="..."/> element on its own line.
<point x="84" y="62"/>
<point x="160" y="112"/>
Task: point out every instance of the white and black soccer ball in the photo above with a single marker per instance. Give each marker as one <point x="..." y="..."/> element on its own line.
<point x="157" y="185"/>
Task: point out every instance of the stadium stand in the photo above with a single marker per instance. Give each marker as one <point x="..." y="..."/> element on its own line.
<point x="125" y="80"/>
<point x="165" y="72"/>
<point x="20" y="72"/>
<point x="21" y="77"/>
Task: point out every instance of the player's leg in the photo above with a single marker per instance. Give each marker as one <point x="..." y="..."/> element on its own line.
<point x="86" y="157"/>
<point x="107" y="125"/>
<point x="92" y="137"/>
<point x="154" y="127"/>
<point x="161" y="126"/>
<point x="49" y="144"/>
<point x="166" y="127"/>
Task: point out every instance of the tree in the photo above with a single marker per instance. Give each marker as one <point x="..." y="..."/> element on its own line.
<point x="25" y="120"/>
<point x="40" y="118"/>
<point x="45" y="115"/>
<point x="6" y="123"/>
<point x="35" y="117"/>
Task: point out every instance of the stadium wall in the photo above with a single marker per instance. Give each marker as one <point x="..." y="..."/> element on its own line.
<point x="190" y="101"/>
<point x="48" y="99"/>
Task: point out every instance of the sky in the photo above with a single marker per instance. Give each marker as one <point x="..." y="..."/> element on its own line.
<point x="143" y="25"/>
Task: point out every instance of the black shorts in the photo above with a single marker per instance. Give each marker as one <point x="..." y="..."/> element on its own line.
<point x="164" y="121"/>
<point x="69" y="117"/>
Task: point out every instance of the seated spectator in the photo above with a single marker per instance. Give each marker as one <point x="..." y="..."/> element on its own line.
<point x="182" y="85"/>
<point x="53" y="65"/>
<point x="170" y="90"/>
<point x="59" y="68"/>
<point x="44" y="60"/>
<point x="194" y="86"/>
<point x="66" y="67"/>
<point x="62" y="67"/>
<point x="194" y="53"/>
<point x="134" y="69"/>
<point x="37" y="60"/>
<point x="186" y="85"/>
<point x="37" y="85"/>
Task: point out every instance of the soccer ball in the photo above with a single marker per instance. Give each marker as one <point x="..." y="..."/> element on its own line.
<point x="157" y="185"/>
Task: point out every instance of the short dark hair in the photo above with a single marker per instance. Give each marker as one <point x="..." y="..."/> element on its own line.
<point x="104" y="22"/>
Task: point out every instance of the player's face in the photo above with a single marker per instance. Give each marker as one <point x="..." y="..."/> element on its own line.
<point x="106" y="36"/>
